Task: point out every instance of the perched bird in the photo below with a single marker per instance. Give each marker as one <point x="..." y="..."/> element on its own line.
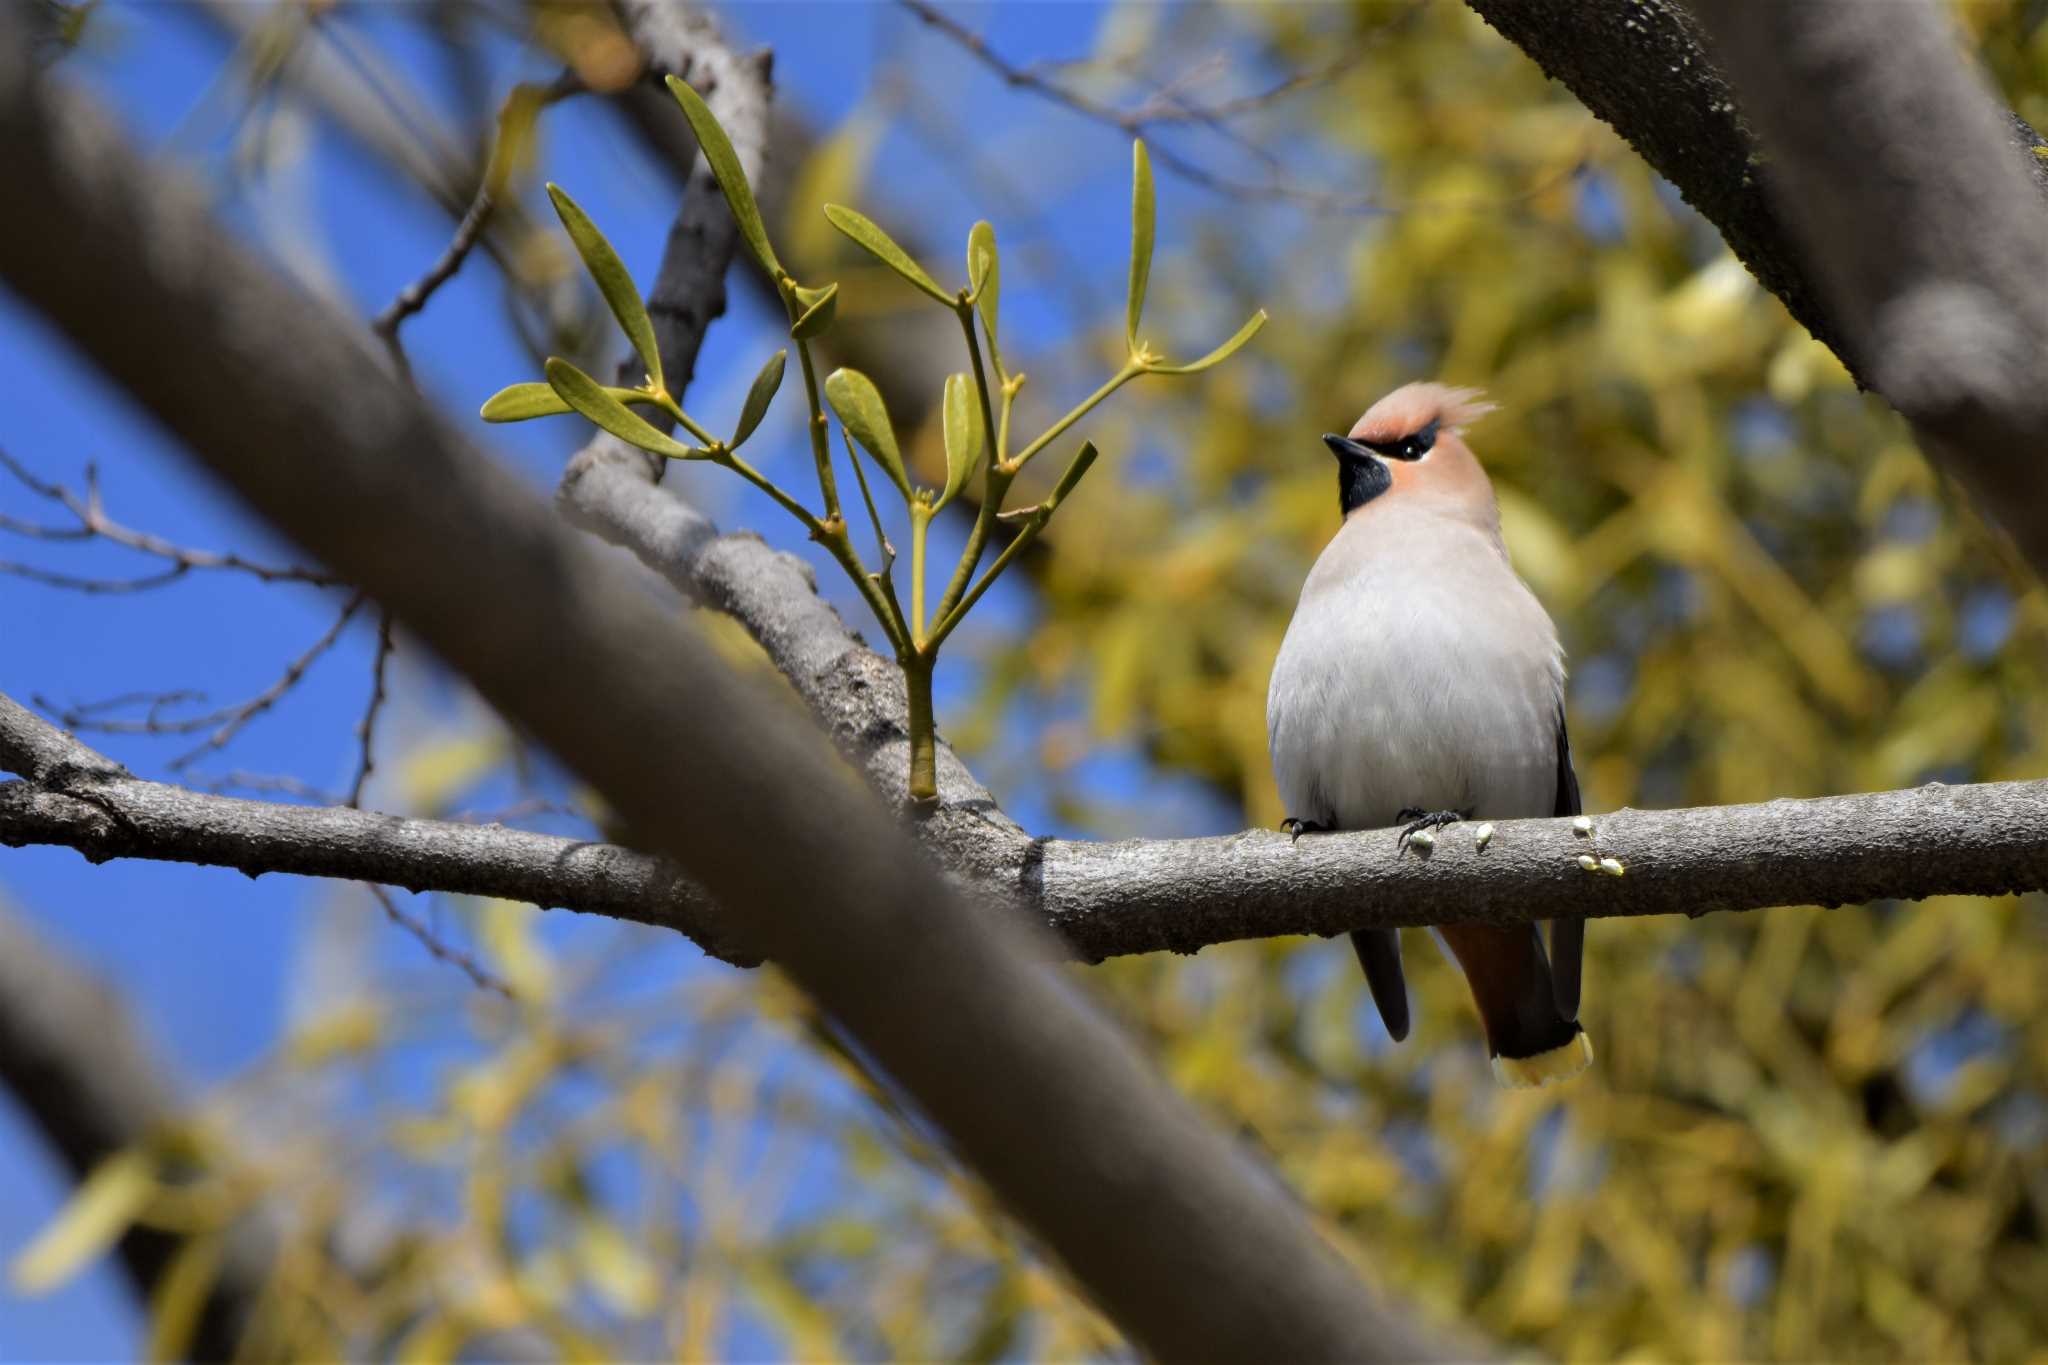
<point x="1421" y="682"/>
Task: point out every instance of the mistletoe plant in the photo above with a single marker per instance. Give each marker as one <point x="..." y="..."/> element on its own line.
<point x="975" y="412"/>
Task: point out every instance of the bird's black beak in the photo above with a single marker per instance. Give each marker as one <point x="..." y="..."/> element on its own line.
<point x="1361" y="474"/>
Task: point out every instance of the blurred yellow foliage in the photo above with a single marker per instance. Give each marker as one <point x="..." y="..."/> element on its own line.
<point x="1811" y="1133"/>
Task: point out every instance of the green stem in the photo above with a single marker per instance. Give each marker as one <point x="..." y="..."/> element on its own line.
<point x="821" y="442"/>
<point x="1010" y="388"/>
<point x="882" y="604"/>
<point x="901" y="630"/>
<point x="924" y="777"/>
<point x="988" y="421"/>
<point x="674" y="409"/>
<point x="767" y="485"/>
<point x="1130" y="371"/>
<point x="1017" y="546"/>
<point x="920" y="520"/>
<point x="995" y="484"/>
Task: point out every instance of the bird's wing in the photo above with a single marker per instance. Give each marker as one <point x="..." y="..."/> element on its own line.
<point x="1567" y="936"/>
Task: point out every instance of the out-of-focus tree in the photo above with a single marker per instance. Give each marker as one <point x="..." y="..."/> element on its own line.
<point x="1810" y="1133"/>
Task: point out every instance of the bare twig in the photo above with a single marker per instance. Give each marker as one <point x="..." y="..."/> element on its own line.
<point x="271" y="784"/>
<point x="470" y="230"/>
<point x="414" y="296"/>
<point x="92" y="522"/>
<point x="480" y="975"/>
<point x="227" y="721"/>
<point x="77" y="716"/>
<point x="1167" y="106"/>
<point x="366" y="728"/>
<point x="1165" y="109"/>
<point x="519" y="810"/>
<point x="96" y="587"/>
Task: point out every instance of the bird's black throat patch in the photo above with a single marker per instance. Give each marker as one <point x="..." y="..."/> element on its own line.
<point x="1360" y="479"/>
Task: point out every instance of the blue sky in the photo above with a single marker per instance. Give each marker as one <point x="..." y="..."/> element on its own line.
<point x="213" y="964"/>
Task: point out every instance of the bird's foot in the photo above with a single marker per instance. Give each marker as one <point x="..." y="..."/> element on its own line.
<point x="1422" y="821"/>
<point x="1297" y="828"/>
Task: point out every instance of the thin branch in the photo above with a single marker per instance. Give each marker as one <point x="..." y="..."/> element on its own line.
<point x="470" y="230"/>
<point x="94" y="587"/>
<point x="271" y="784"/>
<point x="366" y="728"/>
<point x="480" y="975"/>
<point x="108" y="814"/>
<point x="416" y="295"/>
<point x="1166" y="105"/>
<point x="226" y="722"/>
<point x="94" y="523"/>
<point x="39" y="751"/>
<point x="1161" y="109"/>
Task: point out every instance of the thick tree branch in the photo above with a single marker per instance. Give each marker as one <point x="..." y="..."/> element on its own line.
<point x="1892" y="164"/>
<point x="1895" y="210"/>
<point x="1141" y="895"/>
<point x="1187" y="1248"/>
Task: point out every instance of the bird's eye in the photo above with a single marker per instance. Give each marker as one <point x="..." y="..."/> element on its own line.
<point x="1412" y="449"/>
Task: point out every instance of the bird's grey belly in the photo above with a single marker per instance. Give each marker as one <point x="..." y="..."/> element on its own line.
<point x="1411" y="706"/>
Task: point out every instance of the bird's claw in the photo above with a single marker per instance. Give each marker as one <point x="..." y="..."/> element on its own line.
<point x="1420" y="820"/>
<point x="1297" y="828"/>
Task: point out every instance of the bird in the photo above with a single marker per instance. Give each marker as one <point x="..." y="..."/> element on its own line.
<point x="1421" y="683"/>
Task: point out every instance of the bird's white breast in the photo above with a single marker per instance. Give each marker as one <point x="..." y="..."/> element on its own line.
<point x="1418" y="672"/>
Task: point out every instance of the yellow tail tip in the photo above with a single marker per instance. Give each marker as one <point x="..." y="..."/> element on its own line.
<point x="1558" y="1064"/>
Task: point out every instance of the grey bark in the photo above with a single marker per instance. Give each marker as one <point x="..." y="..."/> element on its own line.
<point x="80" y="799"/>
<point x="1138" y="896"/>
<point x="1865" y="175"/>
<point x="1892" y="166"/>
<point x="1186" y="1246"/>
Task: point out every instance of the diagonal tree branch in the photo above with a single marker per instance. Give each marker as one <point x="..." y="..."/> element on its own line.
<point x="1863" y="173"/>
<point x="1893" y="167"/>
<point x="1191" y="1251"/>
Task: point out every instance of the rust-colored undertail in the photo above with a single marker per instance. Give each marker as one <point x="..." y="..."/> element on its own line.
<point x="1530" y="1038"/>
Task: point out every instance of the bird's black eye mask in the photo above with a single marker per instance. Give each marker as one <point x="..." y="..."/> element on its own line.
<point x="1412" y="447"/>
<point x="1360" y="477"/>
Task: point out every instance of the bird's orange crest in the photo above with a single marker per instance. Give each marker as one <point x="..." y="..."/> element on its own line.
<point x="1412" y="407"/>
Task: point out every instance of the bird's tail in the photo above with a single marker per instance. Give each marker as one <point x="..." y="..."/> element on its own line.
<point x="1532" y="1041"/>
